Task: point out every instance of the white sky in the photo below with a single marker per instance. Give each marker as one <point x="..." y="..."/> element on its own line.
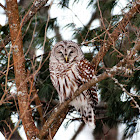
<point x="65" y="17"/>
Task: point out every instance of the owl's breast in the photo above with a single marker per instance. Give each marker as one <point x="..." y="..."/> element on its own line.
<point x="65" y="81"/>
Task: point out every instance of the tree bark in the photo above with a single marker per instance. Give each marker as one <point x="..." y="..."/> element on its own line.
<point x="19" y="69"/>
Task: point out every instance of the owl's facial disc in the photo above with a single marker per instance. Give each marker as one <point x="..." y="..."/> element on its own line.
<point x="66" y="54"/>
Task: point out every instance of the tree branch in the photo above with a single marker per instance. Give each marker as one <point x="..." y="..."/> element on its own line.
<point x="2" y="6"/>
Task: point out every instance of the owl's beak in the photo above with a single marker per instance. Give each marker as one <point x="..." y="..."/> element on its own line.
<point x="66" y="58"/>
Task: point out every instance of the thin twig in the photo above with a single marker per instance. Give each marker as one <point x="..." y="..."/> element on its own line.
<point x="2" y="6"/>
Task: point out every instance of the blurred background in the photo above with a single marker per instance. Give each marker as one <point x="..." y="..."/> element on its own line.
<point x="80" y="21"/>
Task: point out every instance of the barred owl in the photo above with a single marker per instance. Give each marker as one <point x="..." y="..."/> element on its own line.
<point x="68" y="71"/>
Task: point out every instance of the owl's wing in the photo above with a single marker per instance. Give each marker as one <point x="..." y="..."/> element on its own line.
<point x="86" y="73"/>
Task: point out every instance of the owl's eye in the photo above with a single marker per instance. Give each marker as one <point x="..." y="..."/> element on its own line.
<point x="70" y="46"/>
<point x="60" y="52"/>
<point x="71" y="52"/>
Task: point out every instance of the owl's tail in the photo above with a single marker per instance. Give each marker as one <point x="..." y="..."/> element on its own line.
<point x="88" y="115"/>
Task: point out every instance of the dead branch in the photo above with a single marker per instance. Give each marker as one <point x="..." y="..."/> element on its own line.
<point x="37" y="102"/>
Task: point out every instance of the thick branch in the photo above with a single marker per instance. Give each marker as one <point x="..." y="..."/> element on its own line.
<point x="19" y="69"/>
<point x="115" y="34"/>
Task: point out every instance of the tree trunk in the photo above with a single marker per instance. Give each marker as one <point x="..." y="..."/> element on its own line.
<point x="19" y="69"/>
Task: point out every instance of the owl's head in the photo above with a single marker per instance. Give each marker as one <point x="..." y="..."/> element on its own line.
<point x="66" y="52"/>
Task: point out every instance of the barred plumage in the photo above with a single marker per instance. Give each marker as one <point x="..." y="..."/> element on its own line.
<point x="68" y="71"/>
